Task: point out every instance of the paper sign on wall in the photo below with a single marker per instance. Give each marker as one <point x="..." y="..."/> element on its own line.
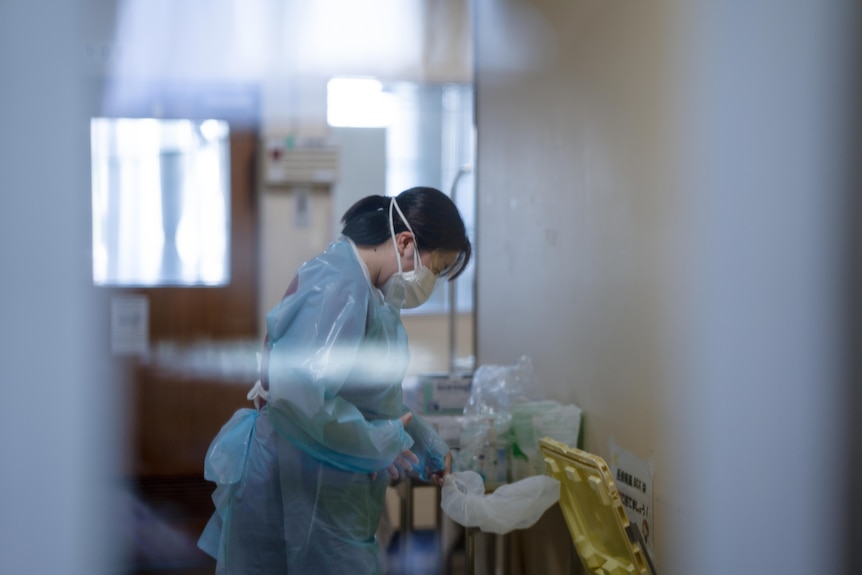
<point x="634" y="481"/>
<point x="130" y="325"/>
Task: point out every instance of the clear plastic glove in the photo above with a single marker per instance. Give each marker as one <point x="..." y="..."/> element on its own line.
<point x="406" y="461"/>
<point x="409" y="463"/>
<point x="403" y="464"/>
<point x="438" y="476"/>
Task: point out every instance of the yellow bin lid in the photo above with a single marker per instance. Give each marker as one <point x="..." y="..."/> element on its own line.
<point x="604" y="539"/>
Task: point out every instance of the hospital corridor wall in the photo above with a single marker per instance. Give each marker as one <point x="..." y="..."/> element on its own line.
<point x="663" y="195"/>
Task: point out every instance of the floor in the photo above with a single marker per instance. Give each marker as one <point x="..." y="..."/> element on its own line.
<point x="424" y="559"/>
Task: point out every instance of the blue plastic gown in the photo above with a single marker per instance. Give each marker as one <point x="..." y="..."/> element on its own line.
<point x="296" y="486"/>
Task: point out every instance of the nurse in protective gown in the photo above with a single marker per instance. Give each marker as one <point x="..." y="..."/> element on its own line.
<point x="301" y="479"/>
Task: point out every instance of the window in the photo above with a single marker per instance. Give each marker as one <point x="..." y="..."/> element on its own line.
<point x="358" y="103"/>
<point x="160" y="201"/>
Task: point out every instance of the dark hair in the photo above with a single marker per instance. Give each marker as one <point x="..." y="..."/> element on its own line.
<point x="436" y="223"/>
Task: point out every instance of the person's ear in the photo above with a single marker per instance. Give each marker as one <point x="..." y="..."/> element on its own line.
<point x="403" y="240"/>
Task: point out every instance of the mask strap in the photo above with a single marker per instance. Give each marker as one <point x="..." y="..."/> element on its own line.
<point x="417" y="263"/>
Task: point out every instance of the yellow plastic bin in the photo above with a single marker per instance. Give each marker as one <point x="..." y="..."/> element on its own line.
<point x="606" y="542"/>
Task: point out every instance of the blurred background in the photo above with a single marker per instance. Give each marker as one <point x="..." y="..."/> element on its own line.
<point x="663" y="198"/>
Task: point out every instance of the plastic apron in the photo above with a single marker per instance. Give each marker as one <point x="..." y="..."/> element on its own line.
<point x="295" y="492"/>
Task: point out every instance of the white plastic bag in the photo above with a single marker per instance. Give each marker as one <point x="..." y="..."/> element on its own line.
<point x="513" y="506"/>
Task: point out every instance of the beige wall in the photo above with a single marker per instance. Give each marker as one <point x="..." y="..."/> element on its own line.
<point x="578" y="178"/>
<point x="576" y="209"/>
<point x="429" y="341"/>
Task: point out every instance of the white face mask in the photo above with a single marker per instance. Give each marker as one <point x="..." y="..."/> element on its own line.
<point x="407" y="289"/>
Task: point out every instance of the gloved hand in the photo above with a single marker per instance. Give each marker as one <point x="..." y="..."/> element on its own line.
<point x="403" y="464"/>
<point x="407" y="461"/>
<point x="438" y="476"/>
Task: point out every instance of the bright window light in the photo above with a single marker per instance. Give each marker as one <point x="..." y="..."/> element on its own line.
<point x="358" y="103"/>
<point x="161" y="202"/>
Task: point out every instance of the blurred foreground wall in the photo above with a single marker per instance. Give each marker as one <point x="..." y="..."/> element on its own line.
<point x="58" y="433"/>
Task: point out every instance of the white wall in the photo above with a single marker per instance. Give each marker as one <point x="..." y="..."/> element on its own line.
<point x="59" y="434"/>
<point x="659" y="205"/>
<point x="760" y="377"/>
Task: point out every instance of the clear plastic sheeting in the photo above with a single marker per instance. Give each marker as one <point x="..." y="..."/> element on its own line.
<point x="503" y="421"/>
<point x="496" y="388"/>
<point x="486" y="434"/>
<point x="486" y="448"/>
<point x="225" y="460"/>
<point x="534" y="420"/>
<point x="514" y="506"/>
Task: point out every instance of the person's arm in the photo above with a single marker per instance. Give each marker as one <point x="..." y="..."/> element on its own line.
<point x="323" y="328"/>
